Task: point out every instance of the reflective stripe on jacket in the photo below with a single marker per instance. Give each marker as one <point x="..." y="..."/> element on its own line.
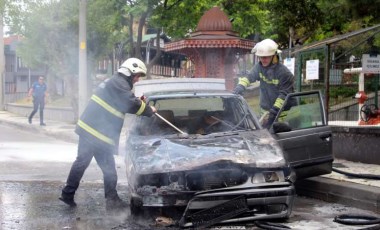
<point x="103" y="118"/>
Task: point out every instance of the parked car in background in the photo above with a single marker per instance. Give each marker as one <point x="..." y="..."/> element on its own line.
<point x="214" y="161"/>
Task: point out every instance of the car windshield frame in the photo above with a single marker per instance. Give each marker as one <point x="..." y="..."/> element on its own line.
<point x="191" y="112"/>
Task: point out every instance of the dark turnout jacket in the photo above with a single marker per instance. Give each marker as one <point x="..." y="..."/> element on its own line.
<point x="276" y="81"/>
<point x="103" y="118"/>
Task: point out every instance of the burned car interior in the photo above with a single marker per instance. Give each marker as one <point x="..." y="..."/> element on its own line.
<point x="204" y="116"/>
<point x="224" y="168"/>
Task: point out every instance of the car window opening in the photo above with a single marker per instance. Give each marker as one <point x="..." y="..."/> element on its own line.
<point x="202" y="116"/>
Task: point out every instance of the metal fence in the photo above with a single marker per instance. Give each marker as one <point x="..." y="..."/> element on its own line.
<point x="343" y="104"/>
<point x="165" y="71"/>
<point x="338" y="87"/>
<point x="14" y="97"/>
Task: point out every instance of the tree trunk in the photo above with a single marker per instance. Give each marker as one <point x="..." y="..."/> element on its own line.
<point x="157" y="56"/>
<point x="131" y="43"/>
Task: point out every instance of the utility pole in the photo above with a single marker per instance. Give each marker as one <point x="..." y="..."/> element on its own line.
<point x="82" y="83"/>
<point x="2" y="62"/>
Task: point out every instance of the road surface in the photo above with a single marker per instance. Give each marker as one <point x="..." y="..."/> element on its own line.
<point x="33" y="170"/>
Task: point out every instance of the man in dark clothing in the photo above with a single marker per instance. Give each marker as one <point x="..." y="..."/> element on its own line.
<point x="276" y="81"/>
<point x="38" y="91"/>
<point x="99" y="130"/>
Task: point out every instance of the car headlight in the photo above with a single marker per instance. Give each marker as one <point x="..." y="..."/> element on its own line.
<point x="268" y="177"/>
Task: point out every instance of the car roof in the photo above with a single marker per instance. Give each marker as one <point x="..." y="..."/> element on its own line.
<point x="180" y="86"/>
<point x="189" y="93"/>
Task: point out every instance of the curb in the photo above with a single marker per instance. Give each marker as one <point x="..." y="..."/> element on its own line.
<point x="343" y="192"/>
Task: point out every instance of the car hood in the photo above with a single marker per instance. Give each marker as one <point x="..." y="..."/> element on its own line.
<point x="161" y="155"/>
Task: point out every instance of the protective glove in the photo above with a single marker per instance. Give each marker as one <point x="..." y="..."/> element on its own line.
<point x="239" y="89"/>
<point x="272" y="115"/>
<point x="143" y="98"/>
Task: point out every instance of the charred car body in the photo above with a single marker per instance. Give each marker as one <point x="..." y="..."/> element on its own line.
<point x="223" y="167"/>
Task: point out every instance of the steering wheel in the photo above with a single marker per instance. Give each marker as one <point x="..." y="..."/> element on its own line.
<point x="208" y="128"/>
<point x="220" y="122"/>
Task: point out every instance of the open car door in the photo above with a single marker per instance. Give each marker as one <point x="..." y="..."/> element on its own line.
<point x="302" y="131"/>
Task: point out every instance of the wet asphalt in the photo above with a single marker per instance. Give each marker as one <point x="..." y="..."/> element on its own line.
<point x="31" y="180"/>
<point x="35" y="205"/>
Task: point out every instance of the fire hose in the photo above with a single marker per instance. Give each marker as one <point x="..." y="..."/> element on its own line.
<point x="270" y="225"/>
<point x="358" y="220"/>
<point x="357" y="175"/>
<point x="346" y="219"/>
<point x="354" y="219"/>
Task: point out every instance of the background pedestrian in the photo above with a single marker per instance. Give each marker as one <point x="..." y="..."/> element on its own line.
<point x="39" y="93"/>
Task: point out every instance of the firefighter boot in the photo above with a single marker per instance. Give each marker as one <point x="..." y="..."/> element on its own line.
<point x="68" y="199"/>
<point x="115" y="204"/>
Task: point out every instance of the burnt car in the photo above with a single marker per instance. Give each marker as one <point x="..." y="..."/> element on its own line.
<point x="206" y="153"/>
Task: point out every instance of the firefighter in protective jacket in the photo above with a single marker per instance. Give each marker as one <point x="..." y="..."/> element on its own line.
<point x="99" y="129"/>
<point x="276" y="81"/>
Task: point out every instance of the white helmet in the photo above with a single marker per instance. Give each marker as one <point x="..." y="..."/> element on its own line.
<point x="265" y="48"/>
<point x="132" y="66"/>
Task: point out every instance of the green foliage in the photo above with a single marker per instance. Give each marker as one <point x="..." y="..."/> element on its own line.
<point x="50" y="28"/>
<point x="13" y="11"/>
<point x="371" y="84"/>
<point x="343" y="91"/>
<point x="178" y="18"/>
<point x="248" y="18"/>
<point x="50" y="37"/>
<point x="297" y="18"/>
<point x="105" y="26"/>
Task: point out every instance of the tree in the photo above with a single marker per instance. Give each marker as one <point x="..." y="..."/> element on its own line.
<point x="294" y="20"/>
<point x="107" y="34"/>
<point x="142" y="10"/>
<point x="306" y="21"/>
<point x="49" y="33"/>
<point x="179" y="17"/>
<point x="50" y="39"/>
<point x="249" y="18"/>
<point x="115" y="27"/>
<point x="10" y="11"/>
<point x="118" y="30"/>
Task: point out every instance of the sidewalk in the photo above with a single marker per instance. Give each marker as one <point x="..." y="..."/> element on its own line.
<point x="60" y="130"/>
<point x="335" y="187"/>
<point x="339" y="188"/>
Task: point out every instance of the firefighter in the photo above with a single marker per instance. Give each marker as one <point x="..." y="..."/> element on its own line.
<point x="276" y="81"/>
<point x="99" y="130"/>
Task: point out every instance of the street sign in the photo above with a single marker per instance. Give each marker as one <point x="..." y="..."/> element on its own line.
<point x="370" y="63"/>
<point x="290" y="63"/>
<point x="312" y="69"/>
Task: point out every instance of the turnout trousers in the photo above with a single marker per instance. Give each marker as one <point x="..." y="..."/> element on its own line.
<point x="106" y="162"/>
